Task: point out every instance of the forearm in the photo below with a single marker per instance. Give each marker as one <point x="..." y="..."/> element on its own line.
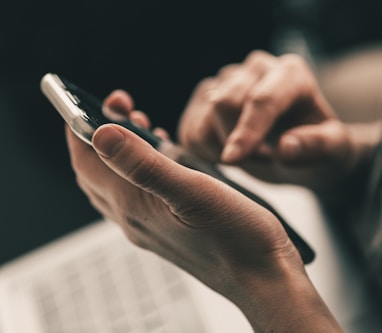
<point x="285" y="301"/>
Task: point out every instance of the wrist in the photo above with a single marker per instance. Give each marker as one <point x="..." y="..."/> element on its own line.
<point x="283" y="299"/>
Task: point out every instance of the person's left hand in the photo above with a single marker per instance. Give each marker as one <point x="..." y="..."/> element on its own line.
<point x="186" y="216"/>
<point x="230" y="243"/>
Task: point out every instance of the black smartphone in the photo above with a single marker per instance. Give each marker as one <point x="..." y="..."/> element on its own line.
<point x="83" y="113"/>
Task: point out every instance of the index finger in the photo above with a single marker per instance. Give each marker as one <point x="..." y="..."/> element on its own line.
<point x="272" y="96"/>
<point x="118" y="105"/>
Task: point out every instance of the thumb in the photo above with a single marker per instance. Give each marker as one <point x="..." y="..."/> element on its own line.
<point x="139" y="163"/>
<point x="308" y="144"/>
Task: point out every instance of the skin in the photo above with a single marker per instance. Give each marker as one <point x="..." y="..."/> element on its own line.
<point x="230" y="243"/>
<point x="268" y="115"/>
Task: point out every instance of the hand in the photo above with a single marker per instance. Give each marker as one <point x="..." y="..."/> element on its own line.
<point x="230" y="243"/>
<point x="269" y="116"/>
<point x="183" y="215"/>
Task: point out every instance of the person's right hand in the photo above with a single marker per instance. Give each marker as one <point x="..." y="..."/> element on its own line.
<point x="269" y="116"/>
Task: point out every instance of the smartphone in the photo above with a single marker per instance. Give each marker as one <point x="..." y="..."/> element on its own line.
<point x="83" y="113"/>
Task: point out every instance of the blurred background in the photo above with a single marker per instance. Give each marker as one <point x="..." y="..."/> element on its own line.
<point x="158" y="51"/>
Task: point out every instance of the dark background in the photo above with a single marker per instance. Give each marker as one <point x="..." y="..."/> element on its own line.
<point x="157" y="50"/>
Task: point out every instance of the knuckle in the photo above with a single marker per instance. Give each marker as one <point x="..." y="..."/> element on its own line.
<point x="257" y="56"/>
<point x="296" y="66"/>
<point x="204" y="89"/>
<point x="227" y="102"/>
<point x="205" y="85"/>
<point x="231" y="93"/>
<point x="294" y="62"/>
<point x="263" y="101"/>
<point x="227" y="70"/>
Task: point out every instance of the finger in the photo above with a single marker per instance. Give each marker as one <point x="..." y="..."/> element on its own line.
<point x="136" y="161"/>
<point x="85" y="161"/>
<point x="279" y="89"/>
<point x="118" y="105"/>
<point x="132" y="158"/>
<point x="259" y="58"/>
<point x="140" y="118"/>
<point x="162" y="133"/>
<point x="313" y="143"/>
<point x="233" y="86"/>
<point x="195" y="130"/>
<point x="227" y="100"/>
<point x="90" y="170"/>
<point x="98" y="180"/>
<point x="230" y="90"/>
<point x="234" y="81"/>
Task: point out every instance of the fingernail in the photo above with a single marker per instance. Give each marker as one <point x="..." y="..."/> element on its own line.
<point x="291" y="146"/>
<point x="231" y="152"/>
<point x="107" y="141"/>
